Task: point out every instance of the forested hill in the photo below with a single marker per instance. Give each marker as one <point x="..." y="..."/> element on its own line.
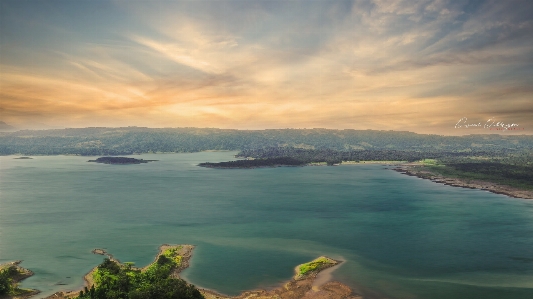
<point x="130" y="140"/>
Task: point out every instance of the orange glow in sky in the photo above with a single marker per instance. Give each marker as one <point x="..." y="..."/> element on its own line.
<point x="406" y="65"/>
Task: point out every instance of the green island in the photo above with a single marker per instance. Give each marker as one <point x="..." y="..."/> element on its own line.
<point x="314" y="266"/>
<point x="161" y="280"/>
<point x="120" y="160"/>
<point x="113" y="279"/>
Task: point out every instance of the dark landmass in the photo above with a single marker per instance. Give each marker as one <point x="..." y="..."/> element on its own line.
<point x="256" y="163"/>
<point x="331" y="156"/>
<point x="132" y="140"/>
<point x="11" y="274"/>
<point x="23" y="158"/>
<point x="504" y="172"/>
<point x="288" y="156"/>
<point x="120" y="160"/>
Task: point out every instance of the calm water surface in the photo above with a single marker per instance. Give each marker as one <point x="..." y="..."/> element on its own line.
<point x="400" y="237"/>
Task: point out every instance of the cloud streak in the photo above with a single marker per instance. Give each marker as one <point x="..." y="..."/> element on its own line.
<point x="264" y="64"/>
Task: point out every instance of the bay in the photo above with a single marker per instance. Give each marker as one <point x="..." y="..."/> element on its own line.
<point x="400" y="237"/>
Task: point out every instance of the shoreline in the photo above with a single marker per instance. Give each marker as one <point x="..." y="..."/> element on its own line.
<point x="313" y="284"/>
<point x="424" y="173"/>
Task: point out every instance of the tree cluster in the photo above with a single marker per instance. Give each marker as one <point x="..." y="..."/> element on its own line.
<point x="130" y="140"/>
<point x="117" y="281"/>
<point x="331" y="156"/>
<point x="7" y="285"/>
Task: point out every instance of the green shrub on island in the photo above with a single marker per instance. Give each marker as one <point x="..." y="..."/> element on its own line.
<point x="314" y="265"/>
<point x="120" y="281"/>
<point x="173" y="254"/>
<point x="7" y="284"/>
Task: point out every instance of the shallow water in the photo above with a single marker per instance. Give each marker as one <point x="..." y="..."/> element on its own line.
<point x="400" y="236"/>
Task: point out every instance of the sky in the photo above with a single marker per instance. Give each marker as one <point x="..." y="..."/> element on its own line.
<point x="427" y="66"/>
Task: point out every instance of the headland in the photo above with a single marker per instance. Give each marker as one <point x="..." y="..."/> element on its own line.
<point x="421" y="171"/>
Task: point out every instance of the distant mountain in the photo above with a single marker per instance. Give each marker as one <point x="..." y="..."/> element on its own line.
<point x="5" y="127"/>
<point x="102" y="141"/>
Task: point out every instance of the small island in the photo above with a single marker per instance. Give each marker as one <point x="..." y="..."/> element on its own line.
<point x="120" y="160"/>
<point x="161" y="279"/>
<point x="23" y="158"/>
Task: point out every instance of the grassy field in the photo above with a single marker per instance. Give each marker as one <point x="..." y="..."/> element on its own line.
<point x="499" y="173"/>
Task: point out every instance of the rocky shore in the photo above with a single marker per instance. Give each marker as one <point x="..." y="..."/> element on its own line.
<point x="422" y="172"/>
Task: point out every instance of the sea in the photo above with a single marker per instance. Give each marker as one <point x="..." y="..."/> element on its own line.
<point x="398" y="236"/>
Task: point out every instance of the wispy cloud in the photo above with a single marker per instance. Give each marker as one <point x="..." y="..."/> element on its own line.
<point x="416" y="65"/>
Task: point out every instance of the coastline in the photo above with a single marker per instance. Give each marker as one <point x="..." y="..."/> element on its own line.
<point x="313" y="284"/>
<point x="418" y="170"/>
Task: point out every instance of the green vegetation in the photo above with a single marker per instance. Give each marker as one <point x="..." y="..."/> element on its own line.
<point x="173" y="254"/>
<point x="289" y="156"/>
<point x="430" y="162"/>
<point x="117" y="281"/>
<point x="314" y="265"/>
<point x="330" y="156"/>
<point x="7" y="286"/>
<point x="9" y="277"/>
<point x="519" y="176"/>
<point x="130" y="140"/>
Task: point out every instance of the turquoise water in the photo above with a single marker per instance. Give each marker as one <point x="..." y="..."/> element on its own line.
<point x="400" y="237"/>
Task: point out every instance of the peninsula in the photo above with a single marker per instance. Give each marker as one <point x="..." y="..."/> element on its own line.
<point x="511" y="180"/>
<point x="120" y="160"/>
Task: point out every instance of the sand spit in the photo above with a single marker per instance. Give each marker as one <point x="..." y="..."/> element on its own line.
<point x="310" y="285"/>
